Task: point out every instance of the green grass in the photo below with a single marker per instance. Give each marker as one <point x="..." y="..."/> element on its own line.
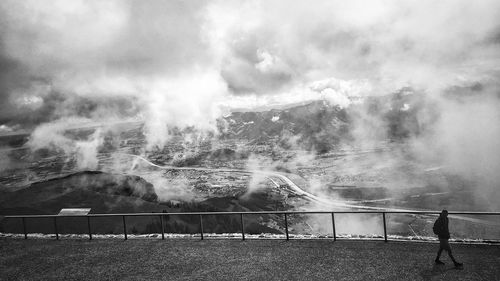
<point x="185" y="259"/>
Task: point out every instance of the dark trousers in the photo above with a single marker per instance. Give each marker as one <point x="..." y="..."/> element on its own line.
<point x="444" y="245"/>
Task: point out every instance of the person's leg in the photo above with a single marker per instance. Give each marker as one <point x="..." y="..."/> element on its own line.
<point x="446" y="246"/>
<point x="439" y="253"/>
<point x="451" y="256"/>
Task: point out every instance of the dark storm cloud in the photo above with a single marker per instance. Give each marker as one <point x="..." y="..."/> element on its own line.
<point x="9" y="73"/>
<point x="105" y="52"/>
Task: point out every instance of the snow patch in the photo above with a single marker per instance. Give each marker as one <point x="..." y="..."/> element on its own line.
<point x="247" y="236"/>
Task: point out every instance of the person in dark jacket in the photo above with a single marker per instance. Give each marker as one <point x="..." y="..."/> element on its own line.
<point x="441" y="229"/>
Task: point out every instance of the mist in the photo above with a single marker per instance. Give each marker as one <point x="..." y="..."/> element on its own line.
<point x="167" y="55"/>
<point x="464" y="139"/>
<point x="177" y="64"/>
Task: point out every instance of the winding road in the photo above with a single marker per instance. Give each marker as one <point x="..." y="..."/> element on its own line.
<point x="292" y="186"/>
<point x="295" y="189"/>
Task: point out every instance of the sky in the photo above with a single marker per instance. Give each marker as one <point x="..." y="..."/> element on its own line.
<point x="186" y="63"/>
<point x="73" y="63"/>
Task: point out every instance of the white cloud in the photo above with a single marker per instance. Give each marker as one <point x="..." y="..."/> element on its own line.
<point x="180" y="61"/>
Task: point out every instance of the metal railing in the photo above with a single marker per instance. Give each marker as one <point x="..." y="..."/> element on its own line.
<point x="201" y="214"/>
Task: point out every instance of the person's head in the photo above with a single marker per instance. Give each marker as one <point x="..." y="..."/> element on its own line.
<point x="444" y="213"/>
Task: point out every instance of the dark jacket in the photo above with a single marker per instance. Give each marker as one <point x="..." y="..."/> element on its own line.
<point x="442" y="226"/>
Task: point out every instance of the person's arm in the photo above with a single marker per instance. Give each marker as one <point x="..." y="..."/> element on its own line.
<point x="446" y="229"/>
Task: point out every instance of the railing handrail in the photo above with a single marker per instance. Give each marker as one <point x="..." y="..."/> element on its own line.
<point x="255" y="213"/>
<point x="201" y="214"/>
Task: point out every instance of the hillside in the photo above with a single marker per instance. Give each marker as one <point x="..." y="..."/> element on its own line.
<point x="111" y="193"/>
<point x="318" y="126"/>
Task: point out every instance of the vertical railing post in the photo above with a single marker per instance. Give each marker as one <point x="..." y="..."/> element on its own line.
<point x="90" y="229"/>
<point x="162" y="228"/>
<point x="286" y="227"/>
<point x="24" y="229"/>
<point x="124" y="227"/>
<point x="333" y="227"/>
<point x="242" y="227"/>
<point x="55" y="228"/>
<point x="385" y="227"/>
<point x="201" y="226"/>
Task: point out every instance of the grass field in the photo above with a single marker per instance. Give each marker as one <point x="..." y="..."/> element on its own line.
<point x="185" y="259"/>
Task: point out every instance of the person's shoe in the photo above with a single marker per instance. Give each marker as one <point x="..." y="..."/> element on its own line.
<point x="439" y="262"/>
<point x="457" y="264"/>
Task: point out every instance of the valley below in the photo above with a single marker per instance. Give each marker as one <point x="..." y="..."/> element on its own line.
<point x="255" y="164"/>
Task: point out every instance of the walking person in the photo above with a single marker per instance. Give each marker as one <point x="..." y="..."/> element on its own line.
<point x="441" y="229"/>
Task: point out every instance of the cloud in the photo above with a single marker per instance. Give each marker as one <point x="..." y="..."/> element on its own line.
<point x="464" y="139"/>
<point x="100" y="60"/>
<point x="177" y="188"/>
<point x="190" y="100"/>
<point x="54" y="136"/>
<point x="96" y="48"/>
<point x="178" y="63"/>
<point x="391" y="43"/>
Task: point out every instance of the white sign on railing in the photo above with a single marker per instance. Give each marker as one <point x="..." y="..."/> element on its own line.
<point x="74" y="212"/>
